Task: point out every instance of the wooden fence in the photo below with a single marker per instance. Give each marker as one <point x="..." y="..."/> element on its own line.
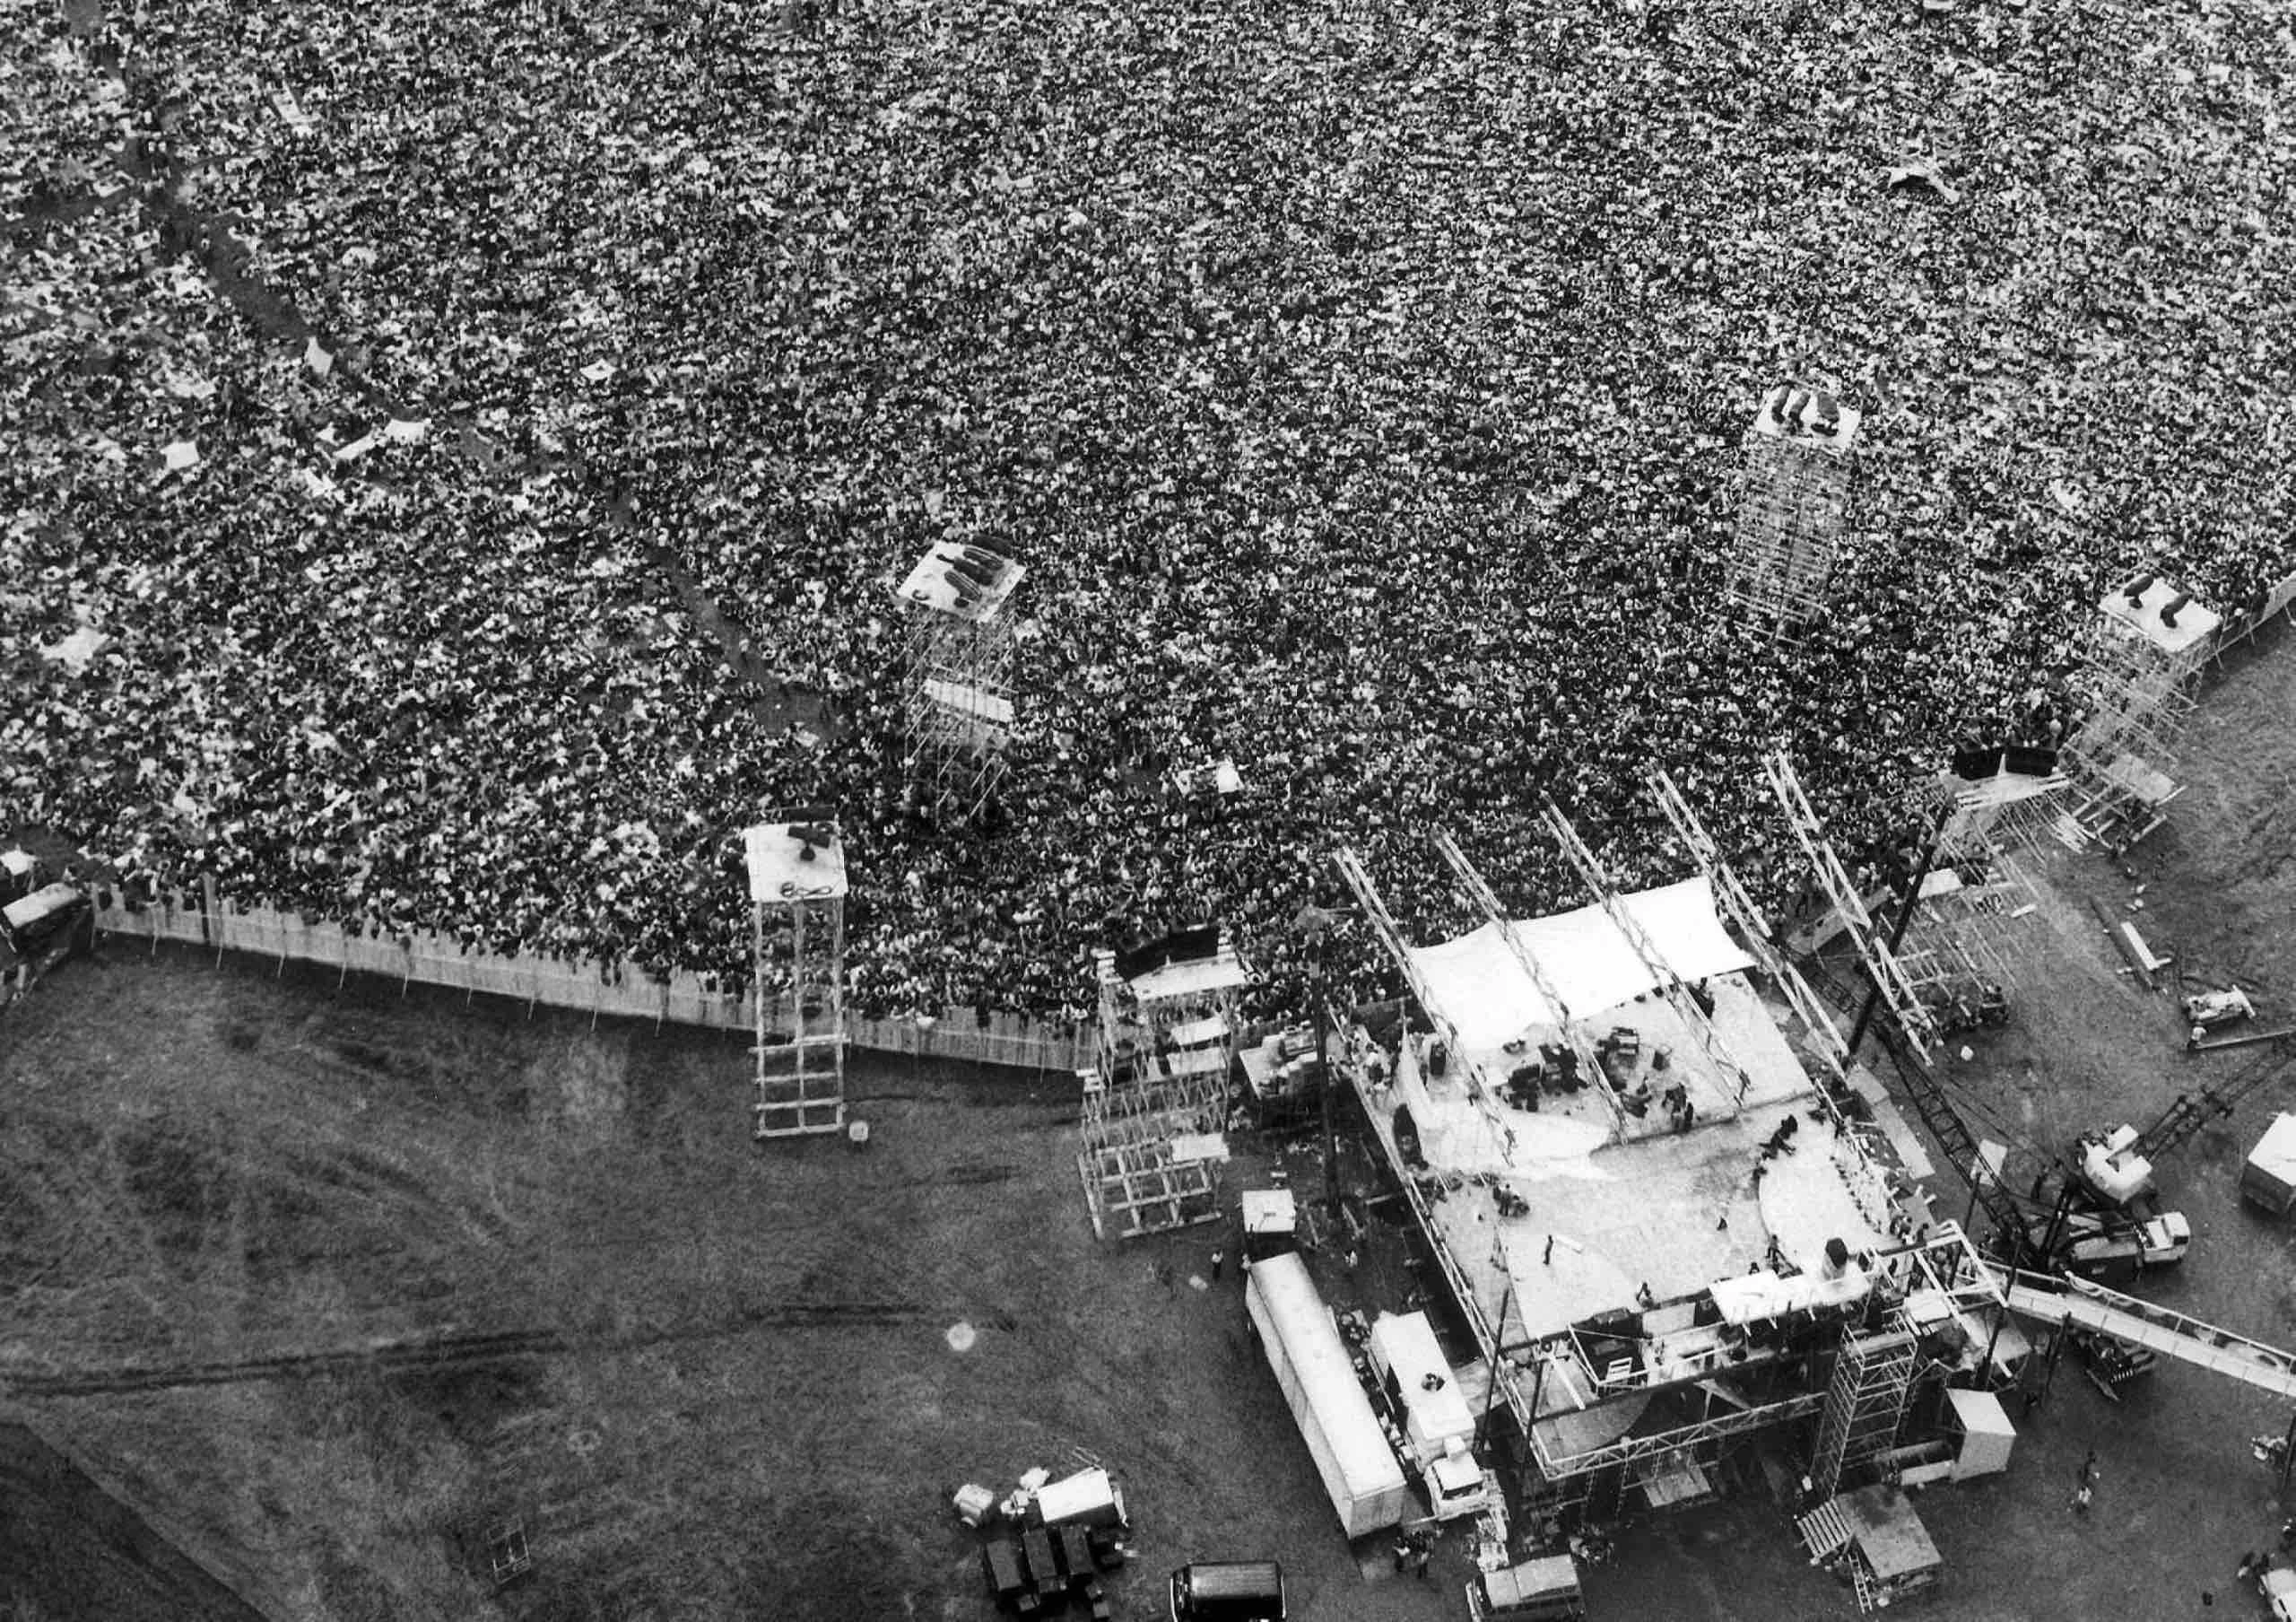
<point x="202" y="919"/>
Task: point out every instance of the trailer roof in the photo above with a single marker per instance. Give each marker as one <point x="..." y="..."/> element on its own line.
<point x="2275" y="1151"/>
<point x="1324" y="1366"/>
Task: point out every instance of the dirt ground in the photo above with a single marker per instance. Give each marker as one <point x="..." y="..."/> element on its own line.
<point x="324" y="1282"/>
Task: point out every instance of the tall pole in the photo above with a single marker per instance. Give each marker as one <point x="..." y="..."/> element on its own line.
<point x="1330" y="1085"/>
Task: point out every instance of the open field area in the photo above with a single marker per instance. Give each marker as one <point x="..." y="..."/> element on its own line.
<point x="326" y="1283"/>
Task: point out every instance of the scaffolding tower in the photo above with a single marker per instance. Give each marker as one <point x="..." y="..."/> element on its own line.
<point x="1156" y="1098"/>
<point x="1865" y="1402"/>
<point x="1999" y="803"/>
<point x="797" y="873"/>
<point x="2135" y="689"/>
<point x="1798" y="458"/>
<point x="959" y="687"/>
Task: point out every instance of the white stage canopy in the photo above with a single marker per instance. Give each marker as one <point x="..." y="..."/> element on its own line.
<point x="1486" y="997"/>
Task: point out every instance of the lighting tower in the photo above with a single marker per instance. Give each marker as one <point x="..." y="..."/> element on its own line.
<point x="959" y="687"/>
<point x="1797" y="493"/>
<point x="796" y="871"/>
<point x="2134" y="685"/>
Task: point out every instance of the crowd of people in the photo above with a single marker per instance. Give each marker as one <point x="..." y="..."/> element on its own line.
<point x="1362" y="385"/>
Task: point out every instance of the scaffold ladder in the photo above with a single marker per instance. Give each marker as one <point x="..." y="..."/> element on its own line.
<point x="1864" y="1401"/>
<point x="801" y="1066"/>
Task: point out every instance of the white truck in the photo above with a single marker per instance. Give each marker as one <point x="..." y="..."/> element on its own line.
<point x="1437" y="1424"/>
<point x="2096" y="1247"/>
<point x="1311" y="1363"/>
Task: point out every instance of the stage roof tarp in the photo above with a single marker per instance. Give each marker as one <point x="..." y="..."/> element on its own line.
<point x="1487" y="997"/>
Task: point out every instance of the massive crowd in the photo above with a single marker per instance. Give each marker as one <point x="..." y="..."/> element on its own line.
<point x="385" y="385"/>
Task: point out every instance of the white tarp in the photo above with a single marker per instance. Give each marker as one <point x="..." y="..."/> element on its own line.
<point x="1483" y="992"/>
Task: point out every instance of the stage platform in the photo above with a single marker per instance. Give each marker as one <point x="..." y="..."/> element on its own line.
<point x="1675" y="1211"/>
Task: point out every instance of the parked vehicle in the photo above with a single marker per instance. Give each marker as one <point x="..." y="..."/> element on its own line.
<point x="1271" y="1224"/>
<point x="2269" y="1178"/>
<point x="1544" y="1590"/>
<point x="2095" y="1246"/>
<point x="1436" y="1426"/>
<point x="2113" y="1171"/>
<point x="2209" y="1009"/>
<point x="1312" y="1364"/>
<point x="2108" y="1362"/>
<point x="1228" y="1590"/>
<point x="31" y="925"/>
<point x="2278" y="1585"/>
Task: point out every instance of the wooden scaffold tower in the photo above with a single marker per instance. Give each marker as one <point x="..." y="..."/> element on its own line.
<point x="797" y="872"/>
<point x="958" y="685"/>
<point x="2135" y="687"/>
<point x="1155" y="1102"/>
<point x="1798" y="457"/>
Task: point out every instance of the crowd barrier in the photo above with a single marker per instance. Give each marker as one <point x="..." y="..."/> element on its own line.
<point x="200" y="918"/>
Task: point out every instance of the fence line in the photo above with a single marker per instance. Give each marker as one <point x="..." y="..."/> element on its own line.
<point x="202" y="919"/>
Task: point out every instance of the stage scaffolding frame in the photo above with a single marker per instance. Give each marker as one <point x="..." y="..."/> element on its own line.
<point x="1791" y="517"/>
<point x="1888" y="975"/>
<point x="961" y="656"/>
<point x="1160" y="1075"/>
<point x="1572" y="1029"/>
<point x="1754" y="932"/>
<point x="797" y="889"/>
<point x="1358" y="879"/>
<point x="1865" y="1404"/>
<point x="1593" y="875"/>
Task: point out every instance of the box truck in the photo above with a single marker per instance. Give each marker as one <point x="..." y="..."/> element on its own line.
<point x="1438" y="1426"/>
<point x="1312" y="1364"/>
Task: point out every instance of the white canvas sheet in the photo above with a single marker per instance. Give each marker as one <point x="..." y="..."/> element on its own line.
<point x="1489" y="1000"/>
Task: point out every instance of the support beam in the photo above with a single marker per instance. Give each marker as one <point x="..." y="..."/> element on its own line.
<point x="1633" y="1450"/>
<point x="1573" y="1030"/>
<point x="1887" y="974"/>
<point x="1670" y="984"/>
<point x="1754" y="930"/>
